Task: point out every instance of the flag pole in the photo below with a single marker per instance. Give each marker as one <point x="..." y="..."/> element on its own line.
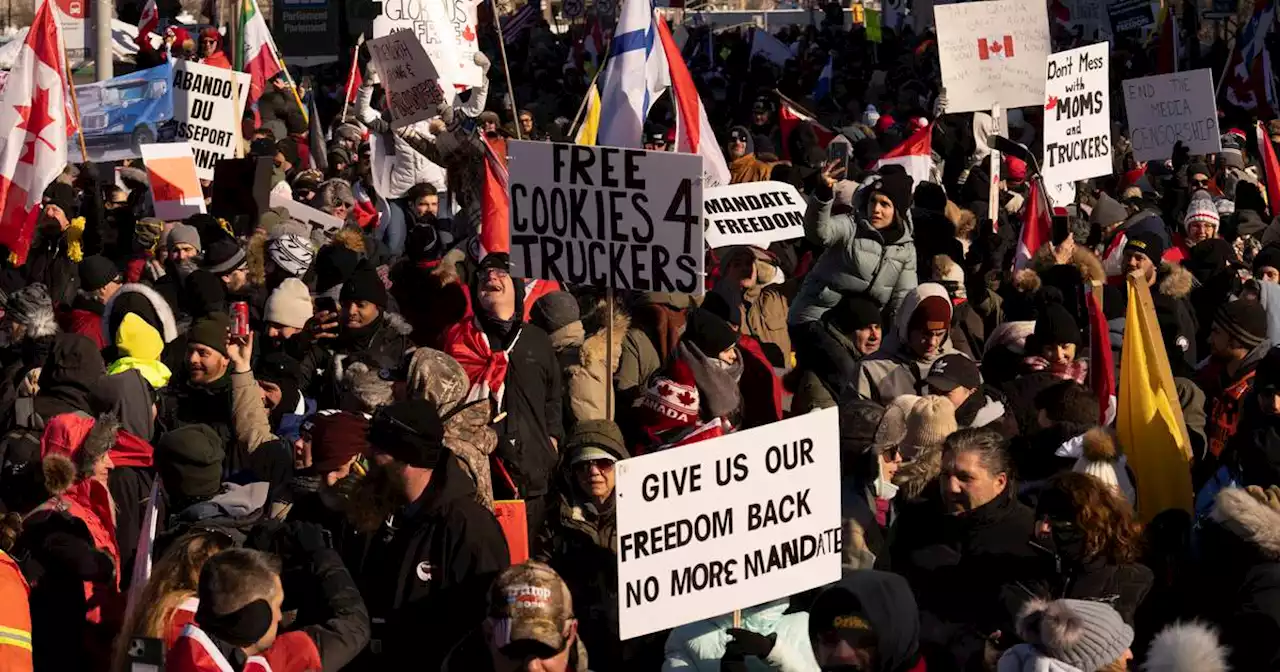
<point x="75" y="102"/>
<point x="351" y="78"/>
<point x="506" y="70"/>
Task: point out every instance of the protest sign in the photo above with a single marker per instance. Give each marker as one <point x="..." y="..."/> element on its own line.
<point x="753" y="213"/>
<point x="318" y="220"/>
<point x="1088" y="18"/>
<point x="208" y="109"/>
<point x="601" y="216"/>
<point x="763" y="43"/>
<point x="1164" y="109"/>
<point x="123" y="113"/>
<point x="1061" y="194"/>
<point x="737" y="521"/>
<point x="1221" y="9"/>
<point x="1131" y="15"/>
<point x="992" y="53"/>
<point x="413" y="92"/>
<point x="1077" y="115"/>
<point x="175" y="188"/>
<point x="445" y="28"/>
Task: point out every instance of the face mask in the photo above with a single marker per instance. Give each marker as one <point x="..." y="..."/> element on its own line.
<point x="884" y="489"/>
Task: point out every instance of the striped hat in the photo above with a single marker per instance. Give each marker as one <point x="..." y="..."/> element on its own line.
<point x="1201" y="210"/>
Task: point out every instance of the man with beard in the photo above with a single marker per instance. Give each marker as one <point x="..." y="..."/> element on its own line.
<point x="202" y="393"/>
<point x="184" y="250"/>
<point x="289" y="308"/>
<point x="432" y="551"/>
<point x="48" y="261"/>
<point x="330" y="456"/>
<point x="1237" y="345"/>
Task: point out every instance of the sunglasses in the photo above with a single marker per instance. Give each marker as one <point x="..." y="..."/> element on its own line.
<point x="1200" y="183"/>
<point x="601" y="464"/>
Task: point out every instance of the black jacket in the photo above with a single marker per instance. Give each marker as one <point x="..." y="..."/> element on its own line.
<point x="533" y="401"/>
<point x="185" y="403"/>
<point x="427" y="573"/>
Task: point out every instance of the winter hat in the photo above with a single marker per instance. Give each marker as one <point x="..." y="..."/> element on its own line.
<point x="1099" y="459"/>
<point x="364" y="285"/>
<point x="1085" y="634"/>
<point x="1198" y="168"/>
<point x="1244" y="320"/>
<point x="147" y="233"/>
<point x="62" y="195"/>
<point x="859" y="421"/>
<point x="595" y="440"/>
<point x="70" y="446"/>
<point x="854" y="312"/>
<point x="1201" y="210"/>
<point x="137" y="339"/>
<point x="870" y="116"/>
<point x="554" y="311"/>
<point x="409" y="431"/>
<point x="931" y="420"/>
<point x="1015" y="169"/>
<point x="184" y="233"/>
<point x="896" y="184"/>
<point x="223" y="256"/>
<point x="952" y="371"/>
<point x="333" y="265"/>
<point x="711" y="334"/>
<point x="932" y="313"/>
<point x="671" y="400"/>
<point x="203" y="293"/>
<point x="290" y="304"/>
<point x="532" y="604"/>
<point x="96" y="272"/>
<point x="278" y="368"/>
<point x="930" y="196"/>
<point x="762" y="145"/>
<point x="211" y="331"/>
<point x="884" y="123"/>
<point x="893" y="426"/>
<point x="32" y="307"/>
<point x="1055" y="326"/>
<point x="1186" y="647"/>
<point x="1107" y="211"/>
<point x="1269" y="255"/>
<point x="291" y="253"/>
<point x="189" y="460"/>
<point x="336" y="436"/>
<point x="1146" y="242"/>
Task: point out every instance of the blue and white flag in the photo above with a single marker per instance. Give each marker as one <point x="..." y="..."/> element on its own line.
<point x="635" y="77"/>
<point x="823" y="88"/>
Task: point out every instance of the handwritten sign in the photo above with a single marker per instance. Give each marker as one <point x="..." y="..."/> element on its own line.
<point x="175" y="187"/>
<point x="445" y="28"/>
<point x="1165" y="109"/>
<point x="1077" y="114"/>
<point x="992" y="53"/>
<point x="410" y="79"/>
<point x="208" y="109"/>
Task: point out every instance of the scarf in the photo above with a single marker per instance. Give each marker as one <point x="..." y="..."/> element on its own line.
<point x="717" y="382"/>
<point x="486" y="368"/>
<point x="1077" y="370"/>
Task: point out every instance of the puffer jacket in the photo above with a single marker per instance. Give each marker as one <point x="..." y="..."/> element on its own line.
<point x="857" y="260"/>
<point x="700" y="645"/>
<point x="895" y="370"/>
<point x="586" y="378"/>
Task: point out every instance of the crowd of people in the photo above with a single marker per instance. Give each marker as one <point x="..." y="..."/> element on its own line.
<point x="259" y="445"/>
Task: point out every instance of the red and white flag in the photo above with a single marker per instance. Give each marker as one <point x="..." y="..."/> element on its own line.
<point x="148" y="22"/>
<point x="1102" y="370"/>
<point x="261" y="58"/>
<point x="354" y="80"/>
<point x="495" y="207"/>
<point x="997" y="48"/>
<point x="915" y="155"/>
<point x="789" y="117"/>
<point x="693" y="130"/>
<point x="1270" y="166"/>
<point x="33" y="112"/>
<point x="1037" y="226"/>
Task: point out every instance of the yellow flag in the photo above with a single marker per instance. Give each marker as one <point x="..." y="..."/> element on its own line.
<point x="590" y="122"/>
<point x="1149" y="420"/>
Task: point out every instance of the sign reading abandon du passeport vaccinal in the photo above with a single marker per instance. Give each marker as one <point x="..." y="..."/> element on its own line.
<point x="753" y="213"/>
<point x="208" y="109"/>
<point x="737" y="521"/>
<point x="606" y="215"/>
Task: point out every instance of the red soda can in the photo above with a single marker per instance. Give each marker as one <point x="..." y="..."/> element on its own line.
<point x="240" y="319"/>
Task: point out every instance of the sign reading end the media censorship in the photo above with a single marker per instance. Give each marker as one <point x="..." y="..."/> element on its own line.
<point x="753" y="213"/>
<point x="208" y="109"/>
<point x="605" y="215"/>
<point x="738" y="521"/>
<point x="1164" y="109"/>
<point x="1077" y="115"/>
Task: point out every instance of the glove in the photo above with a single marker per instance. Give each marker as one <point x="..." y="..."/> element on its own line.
<point x="1181" y="155"/>
<point x="482" y="61"/>
<point x="744" y="643"/>
<point x="378" y="125"/>
<point x="940" y="103"/>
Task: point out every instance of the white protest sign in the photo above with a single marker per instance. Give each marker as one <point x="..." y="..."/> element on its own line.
<point x="1061" y="194"/>
<point x="1077" y="114"/>
<point x="410" y="80"/>
<point x="208" y="110"/>
<point x="1164" y="109"/>
<point x="316" y="219"/>
<point x="732" y="522"/>
<point x="992" y="53"/>
<point x="601" y="215"/>
<point x="753" y="213"/>
<point x="175" y="186"/>
<point x="445" y="28"/>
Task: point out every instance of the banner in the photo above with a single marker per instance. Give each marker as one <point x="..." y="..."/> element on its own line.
<point x="124" y="113"/>
<point x="1077" y="115"/>
<point x="992" y="53"/>
<point x="730" y="523"/>
<point x="409" y="78"/>
<point x="175" y="187"/>
<point x="1164" y="109"/>
<point x="306" y="29"/>
<point x="445" y="28"/>
<point x="753" y="213"/>
<point x="208" y="108"/>
<point x="605" y="215"/>
<point x="318" y="220"/>
<point x="1131" y="15"/>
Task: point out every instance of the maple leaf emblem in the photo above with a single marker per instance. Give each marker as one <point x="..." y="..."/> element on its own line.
<point x="664" y="390"/>
<point x="1053" y="102"/>
<point x="468" y="34"/>
<point x="34" y="118"/>
<point x="686" y="398"/>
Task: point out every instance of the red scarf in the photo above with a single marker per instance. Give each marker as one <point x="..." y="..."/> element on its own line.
<point x="486" y="369"/>
<point x="1077" y="370"/>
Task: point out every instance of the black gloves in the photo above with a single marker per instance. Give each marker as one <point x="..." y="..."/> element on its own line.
<point x="743" y="643"/>
<point x="1181" y="156"/>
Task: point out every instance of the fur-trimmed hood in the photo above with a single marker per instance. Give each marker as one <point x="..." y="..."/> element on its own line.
<point x="1254" y="522"/>
<point x="168" y="326"/>
<point x="1186" y="647"/>
<point x="1086" y="262"/>
<point x="1175" y="281"/>
<point x="594" y="348"/>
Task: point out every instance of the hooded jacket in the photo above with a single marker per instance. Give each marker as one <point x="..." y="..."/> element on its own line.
<point x="885" y="600"/>
<point x="895" y="369"/>
<point x="1241" y="587"/>
<point x="856" y="259"/>
<point x="700" y="645"/>
<point x="440" y="379"/>
<point x="748" y="168"/>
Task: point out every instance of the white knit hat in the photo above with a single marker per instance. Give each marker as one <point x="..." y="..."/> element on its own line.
<point x="290" y="304"/>
<point x="291" y="253"/>
<point x="1201" y="210"/>
<point x="1100" y="460"/>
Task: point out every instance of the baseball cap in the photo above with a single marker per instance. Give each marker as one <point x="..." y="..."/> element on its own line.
<point x="952" y="371"/>
<point x="592" y="453"/>
<point x="530" y="607"/>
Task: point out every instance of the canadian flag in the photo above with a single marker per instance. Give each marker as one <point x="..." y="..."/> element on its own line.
<point x="989" y="49"/>
<point x="148" y="22"/>
<point x="915" y="155"/>
<point x="33" y="112"/>
<point x="1037" y="226"/>
<point x="495" y="207"/>
<point x="789" y="118"/>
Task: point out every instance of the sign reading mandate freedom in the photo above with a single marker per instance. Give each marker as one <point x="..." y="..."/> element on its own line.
<point x="606" y="215"/>
<point x="741" y="520"/>
<point x="753" y="213"/>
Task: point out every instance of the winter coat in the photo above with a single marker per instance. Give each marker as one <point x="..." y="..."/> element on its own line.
<point x="886" y="604"/>
<point x="1240" y="584"/>
<point x="700" y="646"/>
<point x="1225" y="394"/>
<point x="48" y="264"/>
<point x="183" y="402"/>
<point x="587" y="377"/>
<point x="1176" y="317"/>
<point x="764" y="316"/>
<point x="383" y="342"/>
<point x="472" y="655"/>
<point x="430" y="572"/>
<point x="430" y="298"/>
<point x="1124" y="587"/>
<point x="466" y="430"/>
<point x="533" y="401"/>
<point x="749" y="168"/>
<point x="856" y="260"/>
<point x="84" y="317"/>
<point x="895" y="369"/>
<point x="813" y="387"/>
<point x="15" y="617"/>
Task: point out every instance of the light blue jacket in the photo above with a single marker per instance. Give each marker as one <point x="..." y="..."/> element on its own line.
<point x="700" y="646"/>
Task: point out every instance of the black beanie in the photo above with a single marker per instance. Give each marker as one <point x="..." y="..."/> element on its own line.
<point x="1244" y="320"/>
<point x="1267" y="256"/>
<point x="333" y="265"/>
<point x="203" y="293"/>
<point x="189" y="460"/>
<point x="62" y="195"/>
<point x="854" y="312"/>
<point x="1056" y="325"/>
<point x="894" y="182"/>
<point x="409" y="431"/>
<point x="96" y="272"/>
<point x="708" y="332"/>
<point x="930" y="196"/>
<point x="364" y="285"/>
<point x="211" y="331"/>
<point x="1146" y="242"/>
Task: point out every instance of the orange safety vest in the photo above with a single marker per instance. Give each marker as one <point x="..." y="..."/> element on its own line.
<point x="15" y="617"/>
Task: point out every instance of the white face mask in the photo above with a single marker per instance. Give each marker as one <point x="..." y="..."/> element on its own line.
<point x="884" y="489"/>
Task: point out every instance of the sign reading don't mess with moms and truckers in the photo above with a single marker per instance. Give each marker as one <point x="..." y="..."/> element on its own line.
<point x="753" y="213"/>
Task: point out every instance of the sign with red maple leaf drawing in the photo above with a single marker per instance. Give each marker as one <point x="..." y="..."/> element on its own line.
<point x="445" y="28"/>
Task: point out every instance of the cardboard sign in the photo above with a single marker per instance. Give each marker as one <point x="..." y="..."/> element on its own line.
<point x="603" y="216"/>
<point x="445" y="28"/>
<point x="753" y="213"/>
<point x="208" y="109"/>
<point x="316" y="219"/>
<point x="408" y="77"/>
<point x="175" y="187"/>
<point x="1061" y="194"/>
<point x="1164" y="109"/>
<point x="1131" y="15"/>
<point x="733" y="522"/>
<point x="992" y="53"/>
<point x="1077" y="115"/>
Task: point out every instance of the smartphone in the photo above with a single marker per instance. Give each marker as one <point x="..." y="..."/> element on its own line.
<point x="839" y="150"/>
<point x="326" y="304"/>
<point x="146" y="654"/>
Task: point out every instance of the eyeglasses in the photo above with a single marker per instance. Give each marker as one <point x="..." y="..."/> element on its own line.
<point x="602" y="464"/>
<point x="1200" y="183"/>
